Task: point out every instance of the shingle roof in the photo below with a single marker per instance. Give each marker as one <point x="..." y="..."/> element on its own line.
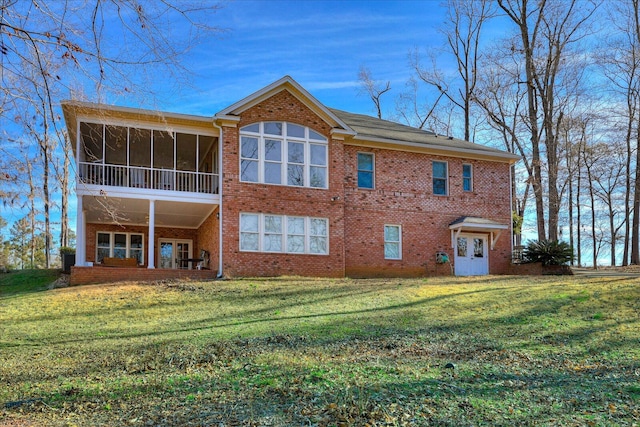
<point x="375" y="129"/>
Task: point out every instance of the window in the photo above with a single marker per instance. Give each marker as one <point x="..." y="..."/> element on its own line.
<point x="281" y="233"/>
<point x="467" y="178"/>
<point x="119" y="245"/>
<point x="439" y="178"/>
<point x="282" y="153"/>
<point x="365" y="170"/>
<point x="392" y="243"/>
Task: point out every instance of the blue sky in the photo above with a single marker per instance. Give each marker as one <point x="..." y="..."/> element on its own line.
<point x="321" y="44"/>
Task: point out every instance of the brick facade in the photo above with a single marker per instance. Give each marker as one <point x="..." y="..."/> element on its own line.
<point x="403" y="196"/>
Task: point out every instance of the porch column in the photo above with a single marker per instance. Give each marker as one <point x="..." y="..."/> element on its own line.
<point x="81" y="239"/>
<point x="152" y="247"/>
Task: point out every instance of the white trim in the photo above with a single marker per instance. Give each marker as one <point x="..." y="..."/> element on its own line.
<point x="112" y="247"/>
<point x="131" y="110"/>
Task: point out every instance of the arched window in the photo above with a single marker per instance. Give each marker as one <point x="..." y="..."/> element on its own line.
<point x="282" y="153"/>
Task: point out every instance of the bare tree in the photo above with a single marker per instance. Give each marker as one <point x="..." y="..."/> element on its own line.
<point x="548" y="30"/>
<point x="373" y="88"/>
<point x="463" y="29"/>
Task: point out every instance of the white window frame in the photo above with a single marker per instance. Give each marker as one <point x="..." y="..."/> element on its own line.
<point x="261" y="233"/>
<point x="112" y="244"/>
<point x="311" y="138"/>
<point x="470" y="177"/>
<point x="389" y="242"/>
<point x="372" y="171"/>
<point x="446" y="177"/>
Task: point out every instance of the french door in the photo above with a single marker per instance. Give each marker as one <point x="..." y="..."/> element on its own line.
<point x="174" y="253"/>
<point x="471" y="255"/>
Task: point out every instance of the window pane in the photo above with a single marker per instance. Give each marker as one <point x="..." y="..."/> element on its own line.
<point x="273" y="128"/>
<point x="249" y="170"/>
<point x="439" y="170"/>
<point x="318" y="227"/>
<point x="136" y="241"/>
<point x="248" y="241"/>
<point x="186" y="151"/>
<point x="365" y="179"/>
<point x="272" y="242"/>
<point x="295" y="175"/>
<point x="91" y="136"/>
<point x="252" y="128"/>
<point x="462" y="246"/>
<point x="272" y="224"/>
<point x="365" y="162"/>
<point x="296" y="152"/>
<point x="391" y="233"/>
<point x="162" y="149"/>
<point x="295" y="225"/>
<point x="440" y="187"/>
<point x="205" y="154"/>
<point x="478" y="248"/>
<point x="273" y="173"/>
<point x="249" y="222"/>
<point x="318" y="155"/>
<point x="466" y="171"/>
<point x="273" y="150"/>
<point x="137" y="254"/>
<point x="466" y="184"/>
<point x="295" y="131"/>
<point x="102" y="254"/>
<point x="392" y="250"/>
<point x="318" y="176"/>
<point x="140" y="147"/>
<point x="115" y="143"/>
<point x="249" y="148"/>
<point x="120" y="240"/>
<point x="104" y="239"/>
<point x="318" y="245"/>
<point x="295" y="244"/>
<point x="315" y="135"/>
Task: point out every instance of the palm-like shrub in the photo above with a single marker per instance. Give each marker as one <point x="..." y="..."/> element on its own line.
<point x="548" y="252"/>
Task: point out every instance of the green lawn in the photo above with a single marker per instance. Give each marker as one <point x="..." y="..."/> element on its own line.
<point x="494" y="351"/>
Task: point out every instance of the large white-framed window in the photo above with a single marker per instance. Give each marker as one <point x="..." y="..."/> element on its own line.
<point x="284" y="234"/>
<point x="119" y="245"/>
<point x="440" y="178"/>
<point x="366" y="169"/>
<point x="467" y="177"/>
<point x="392" y="242"/>
<point x="282" y="153"/>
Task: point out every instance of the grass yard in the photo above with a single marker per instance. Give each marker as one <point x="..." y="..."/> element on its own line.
<point x="485" y="351"/>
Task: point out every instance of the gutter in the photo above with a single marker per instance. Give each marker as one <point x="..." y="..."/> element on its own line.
<point x="220" y="274"/>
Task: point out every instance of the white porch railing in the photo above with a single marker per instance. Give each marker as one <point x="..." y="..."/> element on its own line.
<point x="150" y="178"/>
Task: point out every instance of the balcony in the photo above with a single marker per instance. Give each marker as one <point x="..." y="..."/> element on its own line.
<point x="148" y="178"/>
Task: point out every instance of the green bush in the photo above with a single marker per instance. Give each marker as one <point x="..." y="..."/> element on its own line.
<point x="548" y="252"/>
<point x="67" y="250"/>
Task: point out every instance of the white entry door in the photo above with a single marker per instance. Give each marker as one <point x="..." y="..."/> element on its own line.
<point x="471" y="255"/>
<point x="174" y="253"/>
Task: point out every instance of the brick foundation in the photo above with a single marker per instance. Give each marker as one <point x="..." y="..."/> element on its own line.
<point x="97" y="274"/>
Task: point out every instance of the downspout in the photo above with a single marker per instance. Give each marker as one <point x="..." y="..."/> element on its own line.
<point x="511" y="169"/>
<point x="220" y="138"/>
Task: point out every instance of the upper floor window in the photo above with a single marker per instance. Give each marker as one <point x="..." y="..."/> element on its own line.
<point x="467" y="177"/>
<point x="283" y="153"/>
<point x="366" y="165"/>
<point x="440" y="178"/>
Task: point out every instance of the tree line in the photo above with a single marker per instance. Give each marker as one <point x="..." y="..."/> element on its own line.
<point x="556" y="82"/>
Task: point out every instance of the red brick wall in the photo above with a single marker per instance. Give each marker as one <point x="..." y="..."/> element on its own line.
<point x="403" y="196"/>
<point x="208" y="238"/>
<point x="87" y="275"/>
<point x="281" y="200"/>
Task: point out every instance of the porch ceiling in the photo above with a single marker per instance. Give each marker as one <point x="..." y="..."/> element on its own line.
<point x="114" y="210"/>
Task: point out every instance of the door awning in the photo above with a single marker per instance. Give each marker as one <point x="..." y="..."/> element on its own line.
<point x="472" y="224"/>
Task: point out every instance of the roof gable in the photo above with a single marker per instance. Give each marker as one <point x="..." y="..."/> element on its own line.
<point x="290" y="85"/>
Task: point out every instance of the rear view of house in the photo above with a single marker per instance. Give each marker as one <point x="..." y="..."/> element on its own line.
<point x="279" y="184"/>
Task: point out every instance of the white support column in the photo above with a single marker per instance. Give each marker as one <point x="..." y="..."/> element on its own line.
<point x="81" y="235"/>
<point x="152" y="247"/>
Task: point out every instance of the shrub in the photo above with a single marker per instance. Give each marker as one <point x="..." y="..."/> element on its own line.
<point x="548" y="252"/>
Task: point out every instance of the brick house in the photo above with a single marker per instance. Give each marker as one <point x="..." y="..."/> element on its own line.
<point x="279" y="184"/>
